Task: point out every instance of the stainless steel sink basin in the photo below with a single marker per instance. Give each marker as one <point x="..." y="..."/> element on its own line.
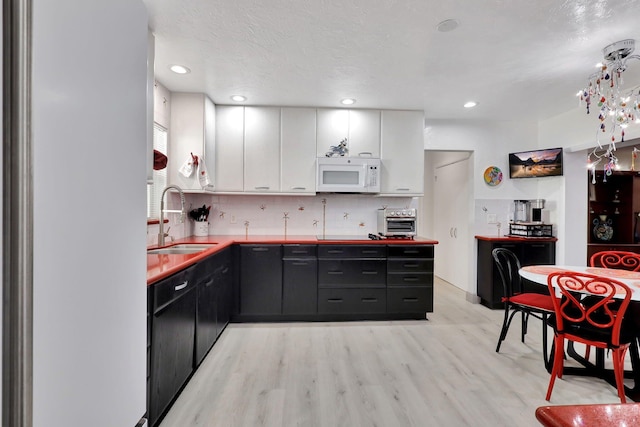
<point x="182" y="249"/>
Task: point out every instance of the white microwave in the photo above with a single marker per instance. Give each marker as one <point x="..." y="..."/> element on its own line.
<point x="348" y="175"/>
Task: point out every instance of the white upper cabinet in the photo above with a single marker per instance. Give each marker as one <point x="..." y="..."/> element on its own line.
<point x="192" y="131"/>
<point x="262" y="149"/>
<point x="333" y="127"/>
<point x="161" y="105"/>
<point x="229" y="164"/>
<point x="364" y="133"/>
<point x="298" y="150"/>
<point x="402" y="153"/>
<point x="360" y="127"/>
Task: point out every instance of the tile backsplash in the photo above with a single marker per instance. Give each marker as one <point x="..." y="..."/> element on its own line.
<point x="344" y="214"/>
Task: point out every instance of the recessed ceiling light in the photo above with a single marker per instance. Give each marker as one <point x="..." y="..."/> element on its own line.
<point x="470" y="104"/>
<point x="447" y="25"/>
<point x="179" y="69"/>
<point x="238" y="98"/>
<point x="348" y="101"/>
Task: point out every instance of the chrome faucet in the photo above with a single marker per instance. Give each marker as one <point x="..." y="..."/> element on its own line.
<point x="182" y="211"/>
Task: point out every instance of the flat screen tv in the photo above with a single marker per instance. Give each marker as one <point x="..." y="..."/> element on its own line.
<point x="535" y="163"/>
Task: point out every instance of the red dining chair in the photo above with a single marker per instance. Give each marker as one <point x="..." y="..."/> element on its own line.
<point x="616" y="259"/>
<point x="622" y="260"/>
<point x="597" y="323"/>
<point x="516" y="301"/>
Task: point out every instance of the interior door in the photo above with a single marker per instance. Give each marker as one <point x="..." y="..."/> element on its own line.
<point x="451" y="196"/>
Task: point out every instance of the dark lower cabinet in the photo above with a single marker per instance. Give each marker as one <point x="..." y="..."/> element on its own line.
<point x="352" y="279"/>
<point x="410" y="299"/>
<point x="207" y="312"/>
<point x="410" y="280"/>
<point x="225" y="277"/>
<point x="214" y="300"/>
<point x="260" y="279"/>
<point x="172" y="339"/>
<point x="489" y="286"/>
<point x="352" y="301"/>
<point x="299" y="280"/>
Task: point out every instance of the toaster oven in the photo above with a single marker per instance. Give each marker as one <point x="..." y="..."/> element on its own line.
<point x="397" y="222"/>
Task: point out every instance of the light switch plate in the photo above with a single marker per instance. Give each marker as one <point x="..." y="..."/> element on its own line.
<point x="492" y="218"/>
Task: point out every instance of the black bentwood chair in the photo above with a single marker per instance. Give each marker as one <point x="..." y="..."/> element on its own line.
<point x="516" y="301"/>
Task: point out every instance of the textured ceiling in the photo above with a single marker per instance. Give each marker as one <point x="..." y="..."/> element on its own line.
<point x="519" y="59"/>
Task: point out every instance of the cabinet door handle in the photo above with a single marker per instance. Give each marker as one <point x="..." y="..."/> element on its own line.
<point x="335" y="272"/>
<point x="370" y="272"/>
<point x="335" y="251"/>
<point x="411" y="251"/>
<point x="209" y="283"/>
<point x="409" y="279"/>
<point x="298" y="188"/>
<point x="333" y="300"/>
<point x="451" y="232"/>
<point x="299" y="263"/>
<point x="411" y="265"/>
<point x="264" y="187"/>
<point x="299" y="252"/>
<point x="409" y="299"/>
<point x="369" y="299"/>
<point x="539" y="245"/>
<point x="402" y="189"/>
<point x="368" y="153"/>
<point x="181" y="286"/>
<point x="455" y="232"/>
<point x="369" y="251"/>
<point x="259" y="249"/>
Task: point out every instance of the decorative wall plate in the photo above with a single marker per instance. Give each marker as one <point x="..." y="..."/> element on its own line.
<point x="493" y="176"/>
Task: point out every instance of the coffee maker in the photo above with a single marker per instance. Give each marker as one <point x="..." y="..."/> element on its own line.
<point x="536" y="210"/>
<point x="527" y="219"/>
<point x="528" y="211"/>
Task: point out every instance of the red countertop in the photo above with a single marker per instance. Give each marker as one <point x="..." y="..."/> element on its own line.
<point x="160" y="266"/>
<point x="516" y="239"/>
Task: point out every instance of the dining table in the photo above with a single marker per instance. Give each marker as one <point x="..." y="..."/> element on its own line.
<point x="539" y="274"/>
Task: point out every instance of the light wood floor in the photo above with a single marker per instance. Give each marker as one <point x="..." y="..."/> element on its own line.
<point x="439" y="372"/>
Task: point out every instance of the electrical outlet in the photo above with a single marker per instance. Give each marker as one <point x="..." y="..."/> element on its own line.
<point x="492" y="218"/>
<point x="233" y="219"/>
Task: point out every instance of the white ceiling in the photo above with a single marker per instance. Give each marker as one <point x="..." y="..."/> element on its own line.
<point x="520" y="59"/>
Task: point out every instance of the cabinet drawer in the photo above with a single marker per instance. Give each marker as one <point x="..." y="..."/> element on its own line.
<point x="410" y="279"/>
<point x="410" y="299"/>
<point x="409" y="265"/>
<point x="410" y="251"/>
<point x="538" y="253"/>
<point x="173" y="287"/>
<point x="352" y="273"/>
<point x="352" y="251"/>
<point x="351" y="301"/>
<point x="298" y="251"/>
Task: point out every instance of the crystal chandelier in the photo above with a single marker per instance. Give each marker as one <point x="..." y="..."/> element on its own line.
<point x="617" y="107"/>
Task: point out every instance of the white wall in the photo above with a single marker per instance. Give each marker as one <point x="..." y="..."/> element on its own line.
<point x="490" y="143"/>
<point x="89" y="135"/>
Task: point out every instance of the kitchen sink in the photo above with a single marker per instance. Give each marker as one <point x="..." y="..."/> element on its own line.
<point x="200" y="246"/>
<point x="181" y="249"/>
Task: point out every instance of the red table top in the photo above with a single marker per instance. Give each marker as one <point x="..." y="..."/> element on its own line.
<point x="616" y="414"/>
